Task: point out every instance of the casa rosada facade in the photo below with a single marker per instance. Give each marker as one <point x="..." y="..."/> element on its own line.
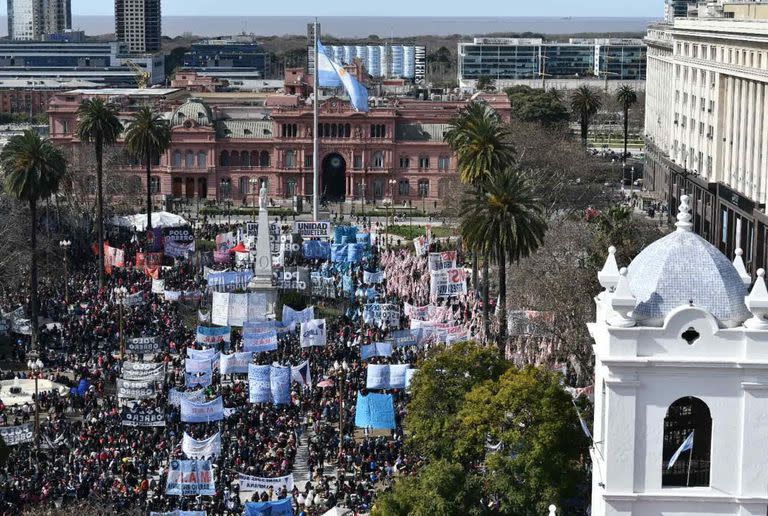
<point x="223" y="150"/>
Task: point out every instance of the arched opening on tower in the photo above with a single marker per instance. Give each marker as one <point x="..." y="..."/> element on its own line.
<point x="687" y="444"/>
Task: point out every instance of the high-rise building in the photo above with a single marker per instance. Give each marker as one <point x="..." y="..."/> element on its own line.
<point x="138" y="24"/>
<point x="31" y="19"/>
<point x="677" y="8"/>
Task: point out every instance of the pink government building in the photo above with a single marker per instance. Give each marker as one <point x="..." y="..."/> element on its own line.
<point x="226" y="144"/>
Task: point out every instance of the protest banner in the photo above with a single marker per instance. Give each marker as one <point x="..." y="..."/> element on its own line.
<point x="229" y="281"/>
<point x="313" y="333"/>
<point x="301" y="374"/>
<point x="448" y="283"/>
<point x="235" y="309"/>
<point x="143" y="345"/>
<point x="404" y="338"/>
<point x="442" y="261"/>
<point x="135" y="390"/>
<point x="158" y="286"/>
<point x="382" y="315"/>
<point x="313" y="229"/>
<point x="179" y="513"/>
<point x="113" y="257"/>
<point x="137" y="415"/>
<point x="134" y="299"/>
<point x="190" y="478"/>
<point x="373" y="278"/>
<point x="323" y="287"/>
<point x="177" y="250"/>
<point x="421" y="244"/>
<point x="175" y="396"/>
<point x="213" y="336"/>
<point x="279" y="508"/>
<point x="198" y="372"/>
<point x="377" y="349"/>
<point x="19" y="434"/>
<point x="236" y="363"/>
<point x="383" y="376"/>
<point x="201" y="449"/>
<point x="316" y="250"/>
<point x="375" y="411"/>
<point x="293" y="278"/>
<point x="259" y="383"/>
<point x="290" y="315"/>
<point x="260" y="342"/>
<point x="251" y="483"/>
<point x="152" y="264"/>
<point x="280" y="384"/>
<point x="193" y="412"/>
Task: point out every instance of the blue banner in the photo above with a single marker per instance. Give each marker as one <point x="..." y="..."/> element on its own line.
<point x="355" y="253"/>
<point x="285" y="327"/>
<point x="363" y="238"/>
<point x="280" y="385"/>
<point x="260" y="342"/>
<point x="198" y="372"/>
<point x="344" y="234"/>
<point x="229" y="279"/>
<point x="339" y="253"/>
<point x="378" y="349"/>
<point x="259" y="386"/>
<point x="190" y="477"/>
<point x="375" y="411"/>
<point x="193" y="412"/>
<point x="250" y="327"/>
<point x="278" y="508"/>
<point x="347" y="284"/>
<point x="212" y="336"/>
<point x="315" y="249"/>
<point x="404" y="338"/>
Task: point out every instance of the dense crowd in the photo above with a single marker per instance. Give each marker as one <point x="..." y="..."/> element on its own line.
<point x="86" y="453"/>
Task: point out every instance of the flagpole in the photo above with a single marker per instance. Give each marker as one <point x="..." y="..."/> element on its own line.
<point x="690" y="458"/>
<point x="316" y="140"/>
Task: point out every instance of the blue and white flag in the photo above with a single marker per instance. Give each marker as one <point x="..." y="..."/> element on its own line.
<point x="260" y="342"/>
<point x="236" y="363"/>
<point x="372" y="278"/>
<point x="290" y="315"/>
<point x="378" y="349"/>
<point x="259" y="390"/>
<point x="332" y="74"/>
<point x="192" y="412"/>
<point x="209" y="336"/>
<point x="280" y="384"/>
<point x="687" y="445"/>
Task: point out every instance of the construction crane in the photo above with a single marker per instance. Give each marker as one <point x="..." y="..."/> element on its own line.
<point x="142" y="76"/>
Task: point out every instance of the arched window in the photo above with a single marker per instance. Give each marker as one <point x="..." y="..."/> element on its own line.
<point x="405" y="162"/>
<point x="290" y="187"/>
<point x="378" y="160"/>
<point x="225" y="188"/>
<point x="443" y="162"/>
<point x="202" y="159"/>
<point x="243" y="186"/>
<point x="190" y="159"/>
<point x="687" y="427"/>
<point x="404" y="188"/>
<point x="224" y="159"/>
<point x="334" y="132"/>
<point x="254" y="158"/>
<point x="347" y="131"/>
<point x="423" y="187"/>
<point x="264" y="159"/>
<point x="177" y="159"/>
<point x="234" y="158"/>
<point x="245" y="159"/>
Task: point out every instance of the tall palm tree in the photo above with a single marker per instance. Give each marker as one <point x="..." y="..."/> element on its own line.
<point x="33" y="168"/>
<point x="505" y="220"/>
<point x="627" y="97"/>
<point x="585" y="103"/>
<point x="148" y="136"/>
<point x="481" y="141"/>
<point x="98" y="123"/>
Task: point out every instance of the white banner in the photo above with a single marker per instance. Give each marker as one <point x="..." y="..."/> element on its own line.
<point x="373" y="278"/>
<point x="236" y="309"/>
<point x="158" y="286"/>
<point x="204" y="449"/>
<point x="312" y="229"/>
<point x="249" y="483"/>
<point x="313" y="333"/>
<point x="448" y="283"/>
<point x="147" y="371"/>
<point x="236" y="363"/>
<point x="442" y="261"/>
<point x="13" y="435"/>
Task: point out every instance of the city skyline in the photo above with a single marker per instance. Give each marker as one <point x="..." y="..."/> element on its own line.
<point x="607" y="8"/>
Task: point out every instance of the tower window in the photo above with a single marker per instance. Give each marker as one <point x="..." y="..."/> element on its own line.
<point x="687" y="430"/>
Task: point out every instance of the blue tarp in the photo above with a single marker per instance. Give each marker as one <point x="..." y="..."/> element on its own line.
<point x="375" y="411"/>
<point x="278" y="508"/>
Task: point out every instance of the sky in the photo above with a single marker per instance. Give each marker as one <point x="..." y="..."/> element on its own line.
<point x="620" y="8"/>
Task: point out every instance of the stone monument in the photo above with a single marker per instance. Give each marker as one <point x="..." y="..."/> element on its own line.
<point x="262" y="266"/>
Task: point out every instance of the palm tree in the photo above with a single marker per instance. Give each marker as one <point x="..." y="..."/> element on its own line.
<point x="505" y="220"/>
<point x="585" y="103"/>
<point x="148" y="136"/>
<point x="33" y="168"/>
<point x="98" y="123"/>
<point x="481" y="141"/>
<point x="627" y="97"/>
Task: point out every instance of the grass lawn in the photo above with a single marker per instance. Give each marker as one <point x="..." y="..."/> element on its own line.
<point x="411" y="232"/>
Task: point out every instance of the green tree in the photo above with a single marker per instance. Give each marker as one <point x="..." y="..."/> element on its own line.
<point x="540" y="457"/>
<point x="147" y="137"/>
<point x="33" y="168"/>
<point x="98" y="123"/>
<point x="537" y="105"/>
<point x="485" y="84"/>
<point x="585" y="103"/>
<point x="503" y="220"/>
<point x="438" y="391"/>
<point x="627" y="97"/>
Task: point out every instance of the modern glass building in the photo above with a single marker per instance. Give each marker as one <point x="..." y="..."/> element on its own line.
<point x="228" y="55"/>
<point x="531" y="58"/>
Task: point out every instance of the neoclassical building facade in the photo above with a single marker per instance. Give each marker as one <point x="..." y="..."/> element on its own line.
<point x="223" y="150"/>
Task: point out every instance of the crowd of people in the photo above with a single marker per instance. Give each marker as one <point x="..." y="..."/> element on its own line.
<point x="85" y="452"/>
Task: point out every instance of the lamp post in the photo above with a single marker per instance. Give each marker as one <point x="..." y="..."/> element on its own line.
<point x="255" y="186"/>
<point x="340" y="371"/>
<point x="65" y="245"/>
<point x="36" y="366"/>
<point x="362" y="197"/>
<point x="120" y="295"/>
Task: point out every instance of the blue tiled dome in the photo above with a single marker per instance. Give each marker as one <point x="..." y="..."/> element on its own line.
<point x="681" y="268"/>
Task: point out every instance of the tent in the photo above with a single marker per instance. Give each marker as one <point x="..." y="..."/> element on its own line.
<point x="339" y="511"/>
<point x="160" y="219"/>
<point x="239" y="248"/>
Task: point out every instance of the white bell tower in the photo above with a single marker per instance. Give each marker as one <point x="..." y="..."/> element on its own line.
<point x="681" y="356"/>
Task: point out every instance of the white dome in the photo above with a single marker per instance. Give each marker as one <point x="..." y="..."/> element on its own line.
<point x="683" y="268"/>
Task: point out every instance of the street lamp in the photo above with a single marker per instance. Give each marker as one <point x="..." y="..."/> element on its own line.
<point x="120" y="294"/>
<point x="362" y="197"/>
<point x="65" y="245"/>
<point x="36" y="366"/>
<point x="339" y="371"/>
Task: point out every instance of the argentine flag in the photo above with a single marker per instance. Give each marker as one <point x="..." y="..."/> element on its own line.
<point x="687" y="445"/>
<point x="332" y="75"/>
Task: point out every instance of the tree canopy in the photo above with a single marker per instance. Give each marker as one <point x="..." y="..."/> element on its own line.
<point x="537" y="105"/>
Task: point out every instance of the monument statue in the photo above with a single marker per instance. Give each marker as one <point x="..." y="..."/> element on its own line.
<point x="263" y="197"/>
